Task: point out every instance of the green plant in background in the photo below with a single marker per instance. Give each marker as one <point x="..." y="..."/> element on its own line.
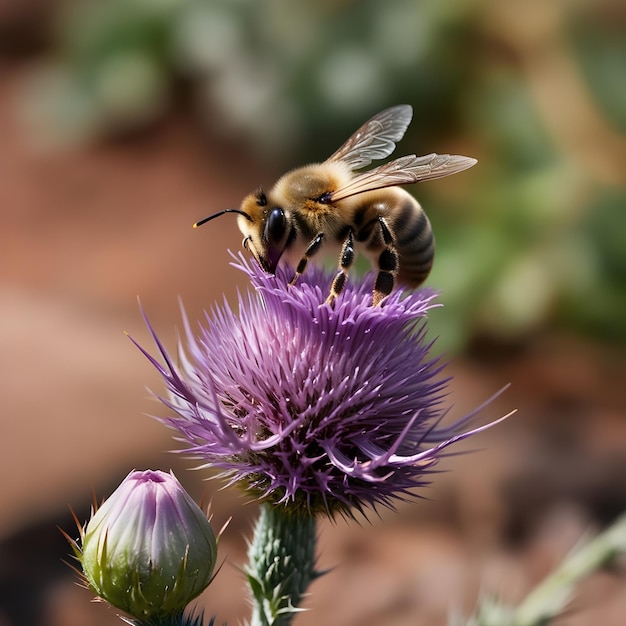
<point x="536" y="91"/>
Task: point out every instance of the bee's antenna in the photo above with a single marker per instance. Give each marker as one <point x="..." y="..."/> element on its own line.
<point x="208" y="219"/>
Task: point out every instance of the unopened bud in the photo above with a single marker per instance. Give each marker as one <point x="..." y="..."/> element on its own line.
<point x="149" y="549"/>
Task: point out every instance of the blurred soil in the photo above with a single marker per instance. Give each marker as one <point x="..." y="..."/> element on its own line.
<point x="84" y="233"/>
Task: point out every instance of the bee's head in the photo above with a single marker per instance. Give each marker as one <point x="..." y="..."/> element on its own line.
<point x="271" y="222"/>
<point x="266" y="229"/>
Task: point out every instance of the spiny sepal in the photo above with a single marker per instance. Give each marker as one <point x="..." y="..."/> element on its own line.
<point x="171" y="620"/>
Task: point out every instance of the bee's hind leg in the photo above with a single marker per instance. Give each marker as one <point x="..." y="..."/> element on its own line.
<point x="346" y="259"/>
<point x="311" y="249"/>
<point x="387" y="265"/>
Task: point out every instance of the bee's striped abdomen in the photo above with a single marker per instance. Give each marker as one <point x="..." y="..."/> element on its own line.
<point x="414" y="240"/>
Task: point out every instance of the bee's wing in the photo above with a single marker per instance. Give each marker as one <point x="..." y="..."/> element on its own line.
<point x="403" y="171"/>
<point x="376" y="139"/>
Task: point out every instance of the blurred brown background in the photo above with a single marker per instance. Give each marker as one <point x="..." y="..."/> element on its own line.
<point x="122" y="123"/>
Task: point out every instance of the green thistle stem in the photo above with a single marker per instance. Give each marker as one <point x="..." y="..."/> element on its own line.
<point x="281" y="564"/>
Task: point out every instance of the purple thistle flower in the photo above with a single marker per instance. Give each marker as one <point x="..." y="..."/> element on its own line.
<point x="321" y="408"/>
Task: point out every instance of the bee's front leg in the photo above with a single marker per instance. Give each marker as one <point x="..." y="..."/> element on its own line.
<point x="346" y="259"/>
<point x="311" y="249"/>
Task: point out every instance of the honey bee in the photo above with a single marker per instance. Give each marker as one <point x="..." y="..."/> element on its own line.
<point x="331" y="204"/>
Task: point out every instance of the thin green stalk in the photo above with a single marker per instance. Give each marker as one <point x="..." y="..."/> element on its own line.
<point x="552" y="596"/>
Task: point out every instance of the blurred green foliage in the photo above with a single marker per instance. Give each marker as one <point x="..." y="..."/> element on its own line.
<point x="534" y="236"/>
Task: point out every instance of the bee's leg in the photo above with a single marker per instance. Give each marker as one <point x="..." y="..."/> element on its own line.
<point x="311" y="249"/>
<point x="346" y="259"/>
<point x="387" y="265"/>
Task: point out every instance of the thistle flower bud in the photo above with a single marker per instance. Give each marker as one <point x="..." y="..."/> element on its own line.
<point x="149" y="549"/>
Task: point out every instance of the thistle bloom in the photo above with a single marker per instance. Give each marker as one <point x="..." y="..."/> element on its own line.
<point x="321" y="408"/>
<point x="149" y="549"/>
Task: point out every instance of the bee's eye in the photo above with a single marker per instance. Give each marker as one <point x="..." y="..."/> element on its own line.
<point x="276" y="226"/>
<point x="325" y="198"/>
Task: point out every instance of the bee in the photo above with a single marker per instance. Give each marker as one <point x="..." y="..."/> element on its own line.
<point x="334" y="205"/>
